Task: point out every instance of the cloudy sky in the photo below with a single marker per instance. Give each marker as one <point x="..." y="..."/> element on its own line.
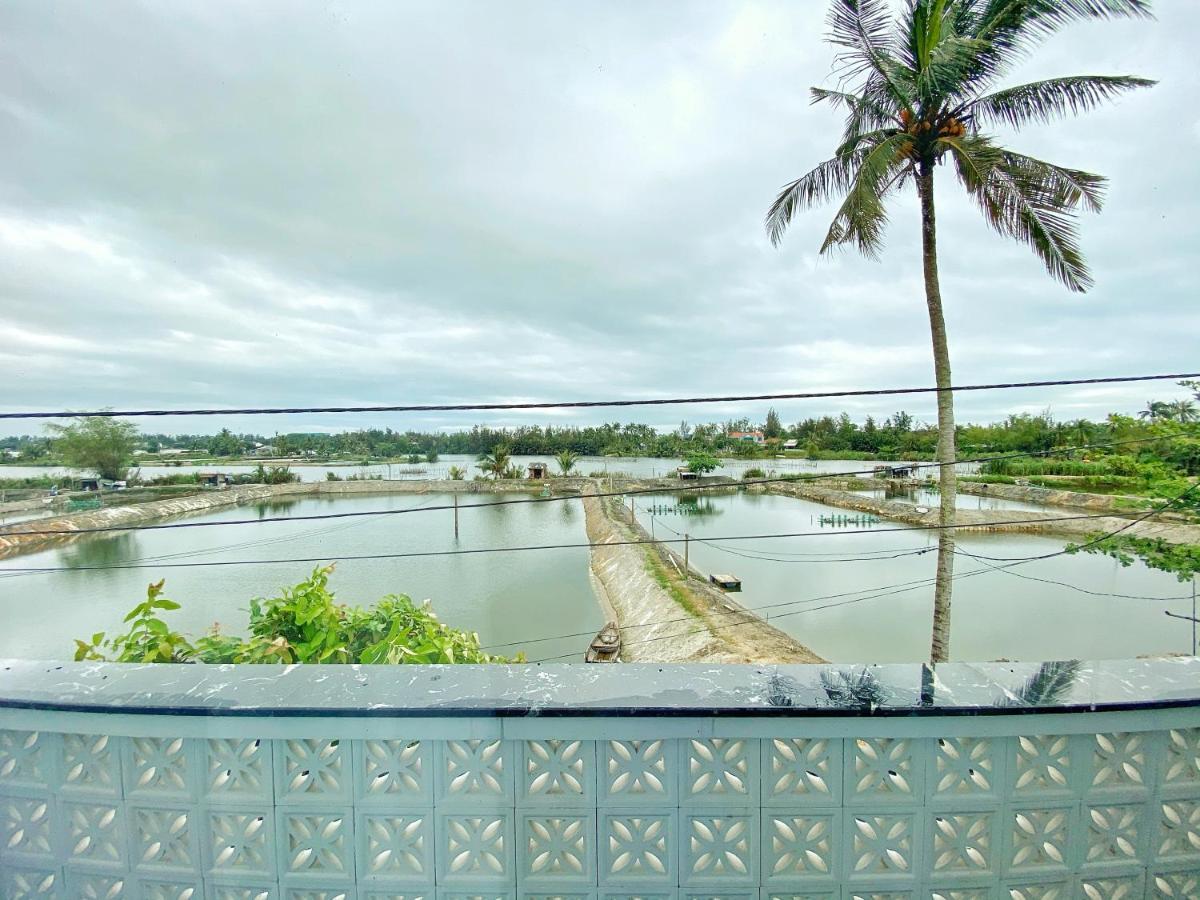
<point x="279" y="203"/>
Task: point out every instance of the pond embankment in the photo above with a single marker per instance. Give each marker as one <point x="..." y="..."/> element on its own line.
<point x="665" y="616"/>
<point x="26" y="536"/>
<point x="1050" y="522"/>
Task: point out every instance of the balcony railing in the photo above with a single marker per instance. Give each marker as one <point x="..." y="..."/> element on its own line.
<point x="740" y="782"/>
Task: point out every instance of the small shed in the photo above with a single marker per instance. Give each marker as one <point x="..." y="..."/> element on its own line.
<point x="89" y="484"/>
<point x="894" y="471"/>
<point x="214" y="479"/>
<point x="538" y="471"/>
<point x="686" y="474"/>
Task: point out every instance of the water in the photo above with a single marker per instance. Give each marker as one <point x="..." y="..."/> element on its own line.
<point x="996" y="615"/>
<point x="639" y="466"/>
<point x="931" y="499"/>
<point x="519" y="596"/>
<point x="502" y="596"/>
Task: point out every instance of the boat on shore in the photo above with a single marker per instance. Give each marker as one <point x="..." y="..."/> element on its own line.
<point x="605" y="646"/>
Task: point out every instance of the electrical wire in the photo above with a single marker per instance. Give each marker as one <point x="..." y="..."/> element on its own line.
<point x="571" y="546"/>
<point x="592" y="404"/>
<point x="623" y="493"/>
<point x="1012" y="563"/>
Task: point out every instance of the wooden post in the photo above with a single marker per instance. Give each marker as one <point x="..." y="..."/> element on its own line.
<point x="456" y="516"/>
<point x="632" y="520"/>
<point x="687" y="571"/>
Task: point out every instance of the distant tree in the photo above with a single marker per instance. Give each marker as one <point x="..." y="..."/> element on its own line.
<point x="431" y="456"/>
<point x="566" y="462"/>
<point x="772" y="429"/>
<point x="702" y="463"/>
<point x="496" y="461"/>
<point x="224" y="444"/>
<point x="457" y="473"/>
<point x="99" y="444"/>
<point x="918" y="87"/>
<point x="1155" y="410"/>
<point x="1182" y="411"/>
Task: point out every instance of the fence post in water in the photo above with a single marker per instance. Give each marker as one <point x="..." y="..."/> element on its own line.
<point x="456" y="516"/>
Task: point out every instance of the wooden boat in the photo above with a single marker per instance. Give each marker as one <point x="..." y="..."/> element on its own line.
<point x="726" y="582"/>
<point x="605" y="646"/>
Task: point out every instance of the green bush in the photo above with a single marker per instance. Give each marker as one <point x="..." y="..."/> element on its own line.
<point x="753" y="472"/>
<point x="302" y="625"/>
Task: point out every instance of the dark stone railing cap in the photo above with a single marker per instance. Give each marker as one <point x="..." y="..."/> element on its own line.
<point x="575" y="689"/>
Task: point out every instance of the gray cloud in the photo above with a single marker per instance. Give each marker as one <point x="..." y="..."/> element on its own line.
<point x="345" y="203"/>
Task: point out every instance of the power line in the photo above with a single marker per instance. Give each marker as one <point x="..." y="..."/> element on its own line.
<point x="591" y="404"/>
<point x="782" y="479"/>
<point x="1013" y="563"/>
<point x="582" y="545"/>
<point x="1074" y="587"/>
<point x="1101" y="538"/>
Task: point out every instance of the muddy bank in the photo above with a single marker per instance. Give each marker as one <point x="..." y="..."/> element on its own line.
<point x="665" y="617"/>
<point x="23" y="537"/>
<point x="1050" y="522"/>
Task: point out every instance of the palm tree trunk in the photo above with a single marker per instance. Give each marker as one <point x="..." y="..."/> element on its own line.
<point x="940" y="650"/>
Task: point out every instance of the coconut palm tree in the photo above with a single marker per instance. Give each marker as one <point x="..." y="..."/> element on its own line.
<point x="1155" y="410"/>
<point x="1182" y="410"/>
<point x="496" y="463"/>
<point x="920" y="90"/>
<point x="566" y="462"/>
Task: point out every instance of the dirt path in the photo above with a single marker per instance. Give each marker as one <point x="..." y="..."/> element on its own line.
<point x="665" y="617"/>
<point x="1051" y="522"/>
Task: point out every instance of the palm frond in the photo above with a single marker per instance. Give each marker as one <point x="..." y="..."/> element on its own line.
<point x="862" y="28"/>
<point x="1049" y="684"/>
<point x="1014" y="27"/>
<point x="862" y="216"/>
<point x="1043" y="101"/>
<point x="1069" y="188"/>
<point x="822" y="184"/>
<point x="863" y="111"/>
<point x="1023" y="199"/>
<point x="975" y="158"/>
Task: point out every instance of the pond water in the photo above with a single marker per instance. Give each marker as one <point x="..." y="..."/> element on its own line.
<point x="641" y="466"/>
<point x="931" y="499"/>
<point x="502" y="596"/>
<point x="820" y="589"/>
<point x="996" y="615"/>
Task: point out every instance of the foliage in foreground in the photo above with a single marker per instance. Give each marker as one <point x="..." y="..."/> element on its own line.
<point x="302" y="625"/>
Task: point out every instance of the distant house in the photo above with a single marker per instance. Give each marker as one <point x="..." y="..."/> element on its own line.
<point x="538" y="470"/>
<point x="171" y="451"/>
<point x="895" y="471"/>
<point x="12" y="454"/>
<point x="791" y="444"/>
<point x="89" y="484"/>
<point x="264" y="450"/>
<point x="686" y="474"/>
<point x="214" y="479"/>
<point x="754" y="437"/>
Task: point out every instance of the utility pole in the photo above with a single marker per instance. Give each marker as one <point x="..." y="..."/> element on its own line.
<point x="456" y="516"/>
<point x="687" y="571"/>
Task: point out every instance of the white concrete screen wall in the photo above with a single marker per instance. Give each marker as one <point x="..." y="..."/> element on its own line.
<point x="1103" y="806"/>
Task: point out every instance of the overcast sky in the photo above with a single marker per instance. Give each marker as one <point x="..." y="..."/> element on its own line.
<point x="283" y="203"/>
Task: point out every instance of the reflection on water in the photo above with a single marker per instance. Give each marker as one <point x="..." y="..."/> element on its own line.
<point x="1048" y="685"/>
<point x="507" y="597"/>
<point x="865" y="594"/>
<point x="853" y="690"/>
<point x="274" y="506"/>
<point x="108" y="549"/>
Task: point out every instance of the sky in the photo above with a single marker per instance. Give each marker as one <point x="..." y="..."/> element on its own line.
<point x="222" y="204"/>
